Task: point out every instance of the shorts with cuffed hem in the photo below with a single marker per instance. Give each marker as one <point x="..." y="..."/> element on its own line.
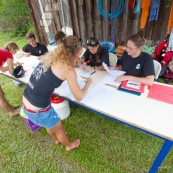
<point x="47" y="119"/>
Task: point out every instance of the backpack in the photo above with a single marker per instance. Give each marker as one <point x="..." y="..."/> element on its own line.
<point x="108" y="45"/>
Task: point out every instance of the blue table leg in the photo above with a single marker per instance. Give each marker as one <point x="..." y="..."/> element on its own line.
<point x="161" y="156"/>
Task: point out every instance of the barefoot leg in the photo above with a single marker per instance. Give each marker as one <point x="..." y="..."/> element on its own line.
<point x="53" y="136"/>
<point x="61" y="135"/>
<point x="73" y="145"/>
<point x="15" y="112"/>
<point x="6" y="106"/>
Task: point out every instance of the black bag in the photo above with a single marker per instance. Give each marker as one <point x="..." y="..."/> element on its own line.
<point x="18" y="72"/>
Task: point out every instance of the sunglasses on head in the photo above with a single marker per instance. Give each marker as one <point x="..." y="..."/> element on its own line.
<point x="91" y="41"/>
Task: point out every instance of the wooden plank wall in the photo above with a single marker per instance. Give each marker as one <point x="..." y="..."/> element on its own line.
<point x="85" y="20"/>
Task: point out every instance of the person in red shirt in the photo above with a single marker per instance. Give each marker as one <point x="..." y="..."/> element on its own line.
<point x="6" y="55"/>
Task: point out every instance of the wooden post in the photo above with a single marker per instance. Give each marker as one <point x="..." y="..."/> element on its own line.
<point x="73" y="9"/>
<point x="81" y="19"/>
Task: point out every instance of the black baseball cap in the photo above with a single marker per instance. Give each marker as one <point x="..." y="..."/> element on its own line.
<point x="92" y="41"/>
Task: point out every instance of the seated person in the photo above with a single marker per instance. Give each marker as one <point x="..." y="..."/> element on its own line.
<point x="138" y="65"/>
<point x="33" y="47"/>
<point x="6" y="55"/>
<point x="94" y="56"/>
<point x="59" y="36"/>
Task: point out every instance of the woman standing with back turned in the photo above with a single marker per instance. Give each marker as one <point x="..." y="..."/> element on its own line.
<point x="56" y="67"/>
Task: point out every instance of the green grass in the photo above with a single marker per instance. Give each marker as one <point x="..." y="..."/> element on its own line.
<point x="21" y="41"/>
<point x="106" y="146"/>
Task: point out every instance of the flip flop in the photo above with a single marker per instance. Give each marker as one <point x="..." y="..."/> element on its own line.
<point x="77" y="143"/>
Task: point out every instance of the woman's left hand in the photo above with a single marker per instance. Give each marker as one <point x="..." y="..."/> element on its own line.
<point x="89" y="68"/>
<point x="81" y="67"/>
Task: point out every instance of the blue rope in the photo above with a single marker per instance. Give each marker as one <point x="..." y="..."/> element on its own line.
<point x="111" y="15"/>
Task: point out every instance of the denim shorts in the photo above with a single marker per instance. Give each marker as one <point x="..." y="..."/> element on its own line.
<point x="47" y="119"/>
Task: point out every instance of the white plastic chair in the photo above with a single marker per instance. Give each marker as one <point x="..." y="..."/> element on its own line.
<point x="112" y="59"/>
<point x="157" y="68"/>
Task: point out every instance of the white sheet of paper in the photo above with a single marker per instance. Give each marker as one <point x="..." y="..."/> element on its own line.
<point x="113" y="72"/>
<point x="65" y="91"/>
<point x="111" y="80"/>
<point x="100" y="97"/>
<point x="82" y="73"/>
<point x="95" y="96"/>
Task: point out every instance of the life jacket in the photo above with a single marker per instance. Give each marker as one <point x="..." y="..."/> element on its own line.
<point x="160" y="49"/>
<point x="164" y="57"/>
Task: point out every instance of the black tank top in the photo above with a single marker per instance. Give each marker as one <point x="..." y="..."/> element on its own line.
<point x="40" y="86"/>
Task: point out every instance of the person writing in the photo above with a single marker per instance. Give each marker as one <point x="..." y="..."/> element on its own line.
<point x="6" y="55"/>
<point x="33" y="47"/>
<point x="94" y="56"/>
<point x="138" y="65"/>
<point x="55" y="67"/>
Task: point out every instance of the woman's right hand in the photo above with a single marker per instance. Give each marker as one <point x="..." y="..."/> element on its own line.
<point x="89" y="82"/>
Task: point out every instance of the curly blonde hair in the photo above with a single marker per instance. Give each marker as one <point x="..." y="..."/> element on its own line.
<point x="65" y="53"/>
<point x="11" y="45"/>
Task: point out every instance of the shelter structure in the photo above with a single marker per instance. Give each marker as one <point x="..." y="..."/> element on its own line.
<point x="86" y="20"/>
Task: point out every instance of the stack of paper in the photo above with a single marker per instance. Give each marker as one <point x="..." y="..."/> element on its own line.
<point x="113" y="72"/>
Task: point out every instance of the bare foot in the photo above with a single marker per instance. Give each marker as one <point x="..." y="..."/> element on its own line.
<point x="57" y="142"/>
<point x="73" y="145"/>
<point x="15" y="112"/>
